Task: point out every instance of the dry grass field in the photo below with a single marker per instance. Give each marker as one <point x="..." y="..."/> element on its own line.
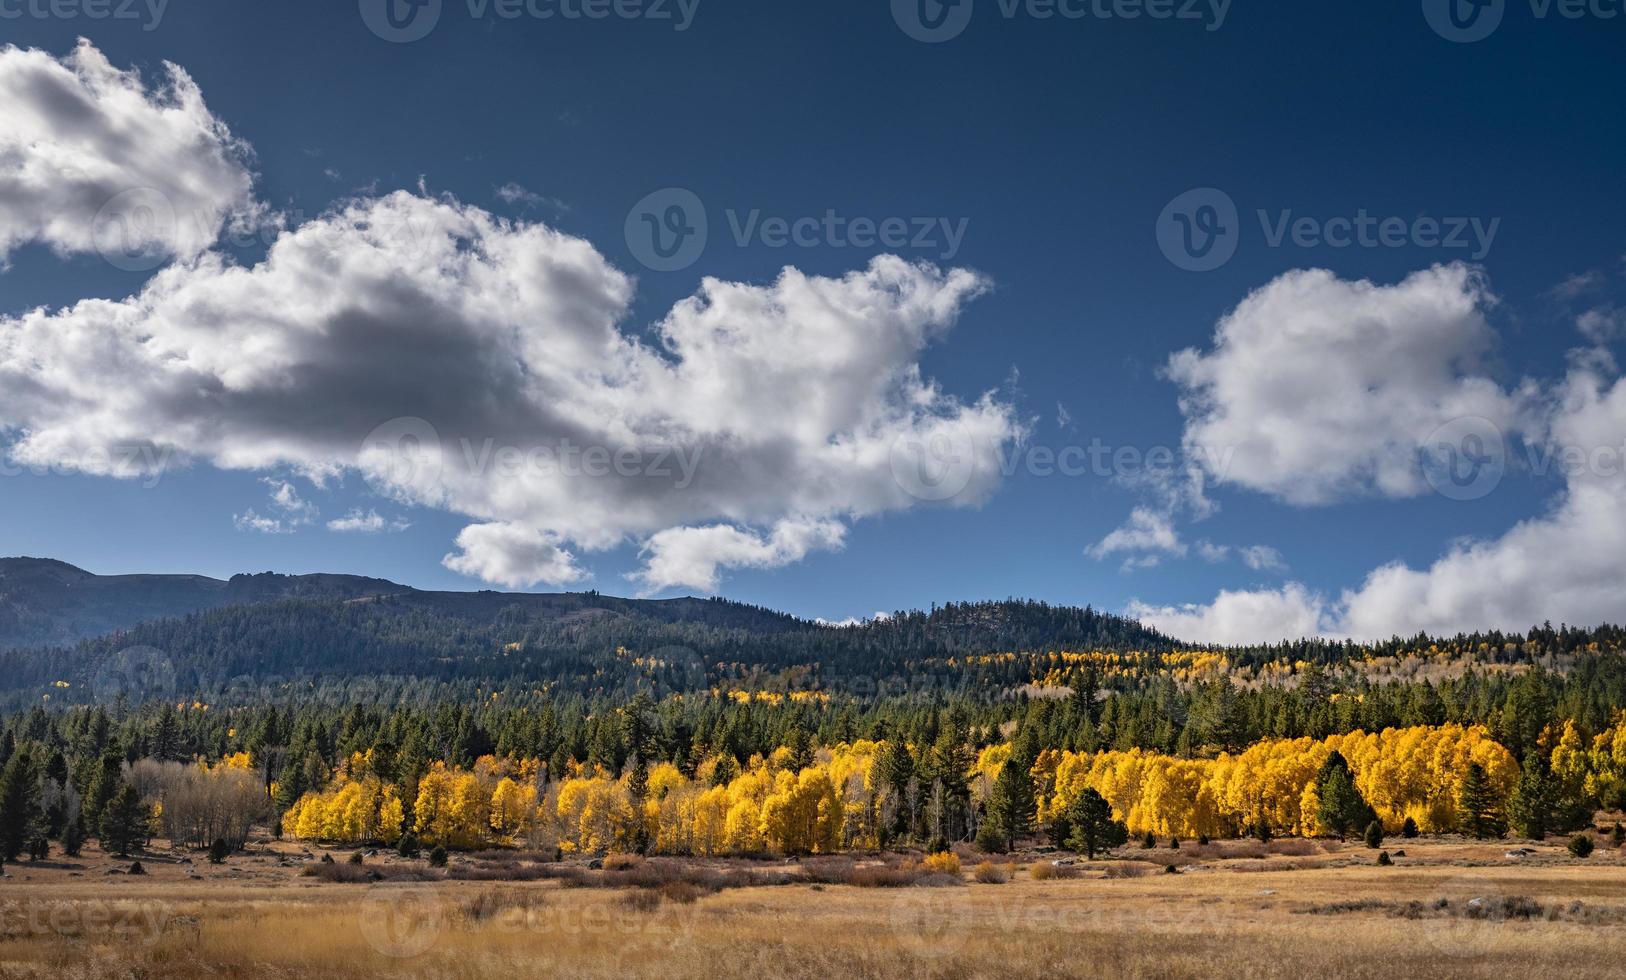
<point x="1446" y="908"/>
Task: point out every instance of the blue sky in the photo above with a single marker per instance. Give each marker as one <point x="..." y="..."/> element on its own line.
<point x="1051" y="146"/>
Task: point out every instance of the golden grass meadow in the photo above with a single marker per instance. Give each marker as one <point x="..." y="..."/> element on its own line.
<point x="1444" y="908"/>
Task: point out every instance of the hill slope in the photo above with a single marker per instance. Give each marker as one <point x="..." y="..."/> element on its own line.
<point x="44" y="602"/>
<point x="59" y="623"/>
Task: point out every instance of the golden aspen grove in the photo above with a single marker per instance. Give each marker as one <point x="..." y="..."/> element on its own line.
<point x="840" y="803"/>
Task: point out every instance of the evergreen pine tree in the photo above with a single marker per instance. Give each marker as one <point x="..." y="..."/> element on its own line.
<point x="1477" y="805"/>
<point x="1341" y="808"/>
<point x="104" y="782"/>
<point x="21" y="819"/>
<point x="1530" y="811"/>
<point x="124" y="823"/>
<point x="1093" y="829"/>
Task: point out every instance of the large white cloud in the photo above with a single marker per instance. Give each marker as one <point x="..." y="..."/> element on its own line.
<point x="513" y="555"/>
<point x="1318" y="388"/>
<point x="1567" y="564"/>
<point x="469" y="363"/>
<point x="693" y="556"/>
<point x="92" y="158"/>
<point x="1240" y="617"/>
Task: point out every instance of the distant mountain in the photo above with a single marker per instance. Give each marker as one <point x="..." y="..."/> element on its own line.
<point x="59" y="623"/>
<point x="44" y="602"/>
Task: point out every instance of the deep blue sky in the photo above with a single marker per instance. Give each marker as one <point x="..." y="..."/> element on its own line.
<point x="1058" y="142"/>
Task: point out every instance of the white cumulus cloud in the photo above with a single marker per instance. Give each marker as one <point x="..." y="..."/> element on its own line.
<point x="370" y="521"/>
<point x="1318" y="388"/>
<point x="92" y="157"/>
<point x="1238" y="617"/>
<point x="1567" y="564"/>
<point x="693" y="556"/>
<point x="1147" y="536"/>
<point x="513" y="555"/>
<point x="489" y="355"/>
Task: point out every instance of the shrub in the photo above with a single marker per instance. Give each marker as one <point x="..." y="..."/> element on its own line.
<point x="356" y="858"/>
<point x="990" y="838"/>
<point x="1174" y="843"/>
<point x="1581" y="845"/>
<point x="1170" y="869"/>
<point x="1618" y="835"/>
<point x="945" y="862"/>
<point x="641" y="900"/>
<point x="1046" y="872"/>
<point x="1374" y="834"/>
<point x="497" y="872"/>
<point x="845" y="871"/>
<point x="493" y="902"/>
<point x="1295" y="848"/>
<point x="1384" y="859"/>
<point x="218" y="851"/>
<point x="622" y="862"/>
<point x="1127" y="869"/>
<point x="437" y="857"/>
<point x="327" y="859"/>
<point x="1409" y="828"/>
<point x="342" y="874"/>
<point x="1202" y="839"/>
<point x="682" y="892"/>
<point x="990" y="873"/>
<point x="407" y="847"/>
<point x="1149" y="843"/>
<point x="136" y="868"/>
